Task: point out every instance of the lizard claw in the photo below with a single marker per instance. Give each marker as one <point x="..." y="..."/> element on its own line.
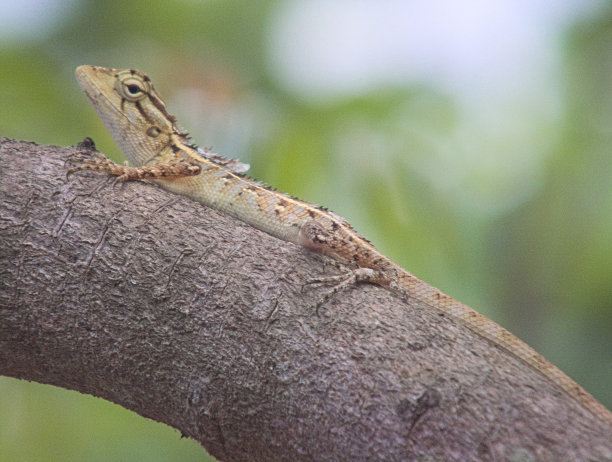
<point x="341" y="282"/>
<point x="97" y="161"/>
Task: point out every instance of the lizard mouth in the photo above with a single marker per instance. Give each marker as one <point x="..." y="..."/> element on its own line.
<point x="87" y="80"/>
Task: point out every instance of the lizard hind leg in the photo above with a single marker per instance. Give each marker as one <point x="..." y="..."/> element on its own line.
<point x="341" y="282"/>
<point x="315" y="236"/>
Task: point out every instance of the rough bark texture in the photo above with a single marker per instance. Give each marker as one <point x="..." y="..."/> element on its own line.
<point x="192" y="318"/>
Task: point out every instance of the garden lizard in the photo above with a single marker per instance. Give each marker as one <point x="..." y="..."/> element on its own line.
<point x="137" y="118"/>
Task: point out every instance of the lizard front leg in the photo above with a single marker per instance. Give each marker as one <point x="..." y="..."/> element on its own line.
<point x="100" y="163"/>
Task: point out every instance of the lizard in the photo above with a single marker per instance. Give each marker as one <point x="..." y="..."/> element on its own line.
<point x="159" y="150"/>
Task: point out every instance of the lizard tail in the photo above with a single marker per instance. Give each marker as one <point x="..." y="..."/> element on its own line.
<point x="497" y="335"/>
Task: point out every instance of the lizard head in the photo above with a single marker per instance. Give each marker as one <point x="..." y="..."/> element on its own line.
<point x="132" y="111"/>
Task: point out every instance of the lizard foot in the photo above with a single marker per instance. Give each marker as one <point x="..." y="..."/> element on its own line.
<point x="341" y="282"/>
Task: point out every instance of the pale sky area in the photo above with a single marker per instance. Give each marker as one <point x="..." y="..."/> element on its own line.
<point x="28" y="20"/>
<point x="472" y="48"/>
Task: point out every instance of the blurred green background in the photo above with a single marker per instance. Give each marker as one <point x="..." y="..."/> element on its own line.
<point x="472" y="146"/>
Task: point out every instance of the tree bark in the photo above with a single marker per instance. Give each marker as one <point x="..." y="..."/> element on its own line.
<point x="192" y="318"/>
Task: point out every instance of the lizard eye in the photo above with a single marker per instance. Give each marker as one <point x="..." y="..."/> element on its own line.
<point x="132" y="87"/>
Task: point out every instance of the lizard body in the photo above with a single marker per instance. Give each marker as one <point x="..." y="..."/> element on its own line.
<point x="141" y="126"/>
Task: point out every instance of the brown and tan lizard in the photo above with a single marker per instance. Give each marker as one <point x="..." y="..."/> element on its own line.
<point x="136" y="117"/>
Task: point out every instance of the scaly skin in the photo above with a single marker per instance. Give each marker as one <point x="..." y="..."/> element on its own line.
<point x="138" y="121"/>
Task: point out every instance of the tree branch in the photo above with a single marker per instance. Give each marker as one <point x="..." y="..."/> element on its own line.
<point x="194" y="319"/>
